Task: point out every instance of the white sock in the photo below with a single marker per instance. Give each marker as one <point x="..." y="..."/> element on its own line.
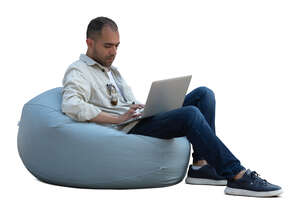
<point x="197" y="167"/>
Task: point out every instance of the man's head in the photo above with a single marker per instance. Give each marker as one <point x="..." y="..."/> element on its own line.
<point x="102" y="38"/>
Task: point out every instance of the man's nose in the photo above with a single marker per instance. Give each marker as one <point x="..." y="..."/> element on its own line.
<point x="113" y="50"/>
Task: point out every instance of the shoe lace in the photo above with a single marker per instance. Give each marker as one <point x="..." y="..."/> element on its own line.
<point x="256" y="177"/>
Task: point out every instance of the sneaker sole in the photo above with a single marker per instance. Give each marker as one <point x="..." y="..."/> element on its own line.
<point x="243" y="192"/>
<point x="202" y="181"/>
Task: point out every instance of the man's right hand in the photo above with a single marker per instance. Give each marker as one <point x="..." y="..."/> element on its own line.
<point x="131" y="113"/>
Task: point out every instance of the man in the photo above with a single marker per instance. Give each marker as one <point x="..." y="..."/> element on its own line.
<point x="94" y="91"/>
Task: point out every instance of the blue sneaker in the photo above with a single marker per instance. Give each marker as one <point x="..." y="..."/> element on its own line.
<point x="250" y="184"/>
<point x="206" y="175"/>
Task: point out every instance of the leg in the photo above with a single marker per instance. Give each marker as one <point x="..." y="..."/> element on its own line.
<point x="204" y="99"/>
<point x="189" y="121"/>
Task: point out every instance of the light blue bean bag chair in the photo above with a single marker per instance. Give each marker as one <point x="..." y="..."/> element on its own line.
<point x="59" y="150"/>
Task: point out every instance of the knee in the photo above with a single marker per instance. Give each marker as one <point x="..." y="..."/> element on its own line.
<point x="206" y="90"/>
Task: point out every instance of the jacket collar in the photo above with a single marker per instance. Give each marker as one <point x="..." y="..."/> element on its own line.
<point x="89" y="61"/>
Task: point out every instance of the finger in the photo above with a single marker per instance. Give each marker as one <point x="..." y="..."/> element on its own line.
<point x="141" y="105"/>
<point x="131" y="111"/>
<point x="136" y="115"/>
<point x="135" y="106"/>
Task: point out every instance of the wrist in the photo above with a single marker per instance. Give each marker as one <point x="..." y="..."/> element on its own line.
<point x="118" y="119"/>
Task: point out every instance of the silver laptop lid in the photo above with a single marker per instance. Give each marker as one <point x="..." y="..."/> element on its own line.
<point x="166" y="95"/>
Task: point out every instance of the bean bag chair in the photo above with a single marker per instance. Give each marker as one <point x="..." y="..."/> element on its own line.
<point x="59" y="150"/>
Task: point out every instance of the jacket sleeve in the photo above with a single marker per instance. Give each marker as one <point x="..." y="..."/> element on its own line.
<point x="75" y="96"/>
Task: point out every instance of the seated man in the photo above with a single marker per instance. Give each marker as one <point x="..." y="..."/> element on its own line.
<point x="94" y="91"/>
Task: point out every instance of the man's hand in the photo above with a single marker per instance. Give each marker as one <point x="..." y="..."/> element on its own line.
<point x="131" y="112"/>
<point x="108" y="118"/>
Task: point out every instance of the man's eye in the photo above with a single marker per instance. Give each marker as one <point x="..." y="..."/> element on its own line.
<point x="107" y="46"/>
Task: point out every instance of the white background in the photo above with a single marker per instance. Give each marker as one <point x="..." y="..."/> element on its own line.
<point x="247" y="52"/>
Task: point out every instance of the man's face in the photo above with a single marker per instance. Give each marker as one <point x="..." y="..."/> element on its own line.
<point x="104" y="48"/>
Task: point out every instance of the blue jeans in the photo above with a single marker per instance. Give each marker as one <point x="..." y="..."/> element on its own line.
<point x="195" y="120"/>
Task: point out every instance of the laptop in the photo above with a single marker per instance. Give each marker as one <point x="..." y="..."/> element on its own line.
<point x="164" y="95"/>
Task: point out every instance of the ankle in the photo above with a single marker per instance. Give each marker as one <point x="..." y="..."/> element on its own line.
<point x="239" y="175"/>
<point x="200" y="163"/>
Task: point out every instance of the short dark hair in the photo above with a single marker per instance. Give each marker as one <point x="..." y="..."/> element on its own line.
<point x="95" y="26"/>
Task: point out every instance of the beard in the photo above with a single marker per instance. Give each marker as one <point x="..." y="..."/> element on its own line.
<point x="99" y="59"/>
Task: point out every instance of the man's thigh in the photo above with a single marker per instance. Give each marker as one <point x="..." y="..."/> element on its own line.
<point x="165" y="125"/>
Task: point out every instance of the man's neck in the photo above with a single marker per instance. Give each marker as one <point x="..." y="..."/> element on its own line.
<point x="98" y="61"/>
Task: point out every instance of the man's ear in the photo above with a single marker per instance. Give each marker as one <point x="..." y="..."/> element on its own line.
<point x="89" y="42"/>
